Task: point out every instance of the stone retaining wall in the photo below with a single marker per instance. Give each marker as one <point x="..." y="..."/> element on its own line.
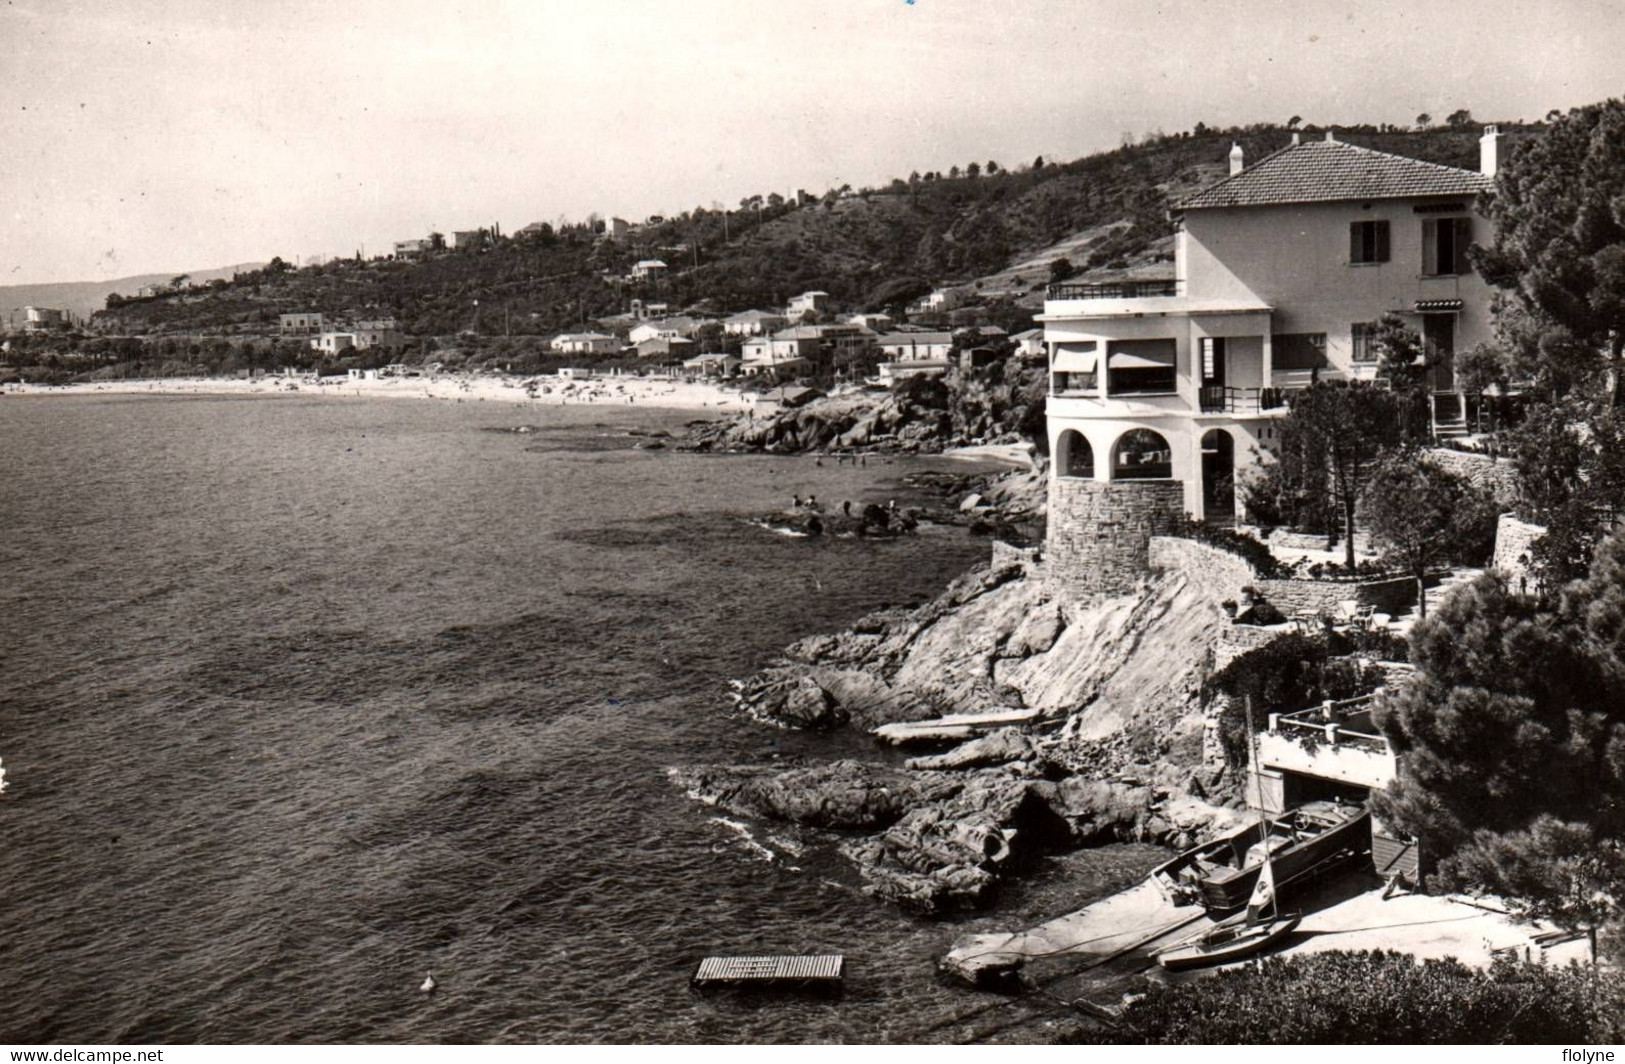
<point x="1100" y="534"/>
<point x="1493" y="475"/>
<point x="1218" y="572"/>
<point x="1514" y="554"/>
<point x="1391" y="595"/>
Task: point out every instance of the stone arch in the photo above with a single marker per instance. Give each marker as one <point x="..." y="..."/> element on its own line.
<point x="1142" y="454"/>
<point x="1074" y="457"/>
<point x="1218" y="477"/>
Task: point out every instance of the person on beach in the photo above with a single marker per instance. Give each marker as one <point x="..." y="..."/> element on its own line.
<point x="846" y="508"/>
<point x="795" y="501"/>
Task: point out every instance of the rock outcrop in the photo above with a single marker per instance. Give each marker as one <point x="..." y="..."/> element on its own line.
<point x="936" y="841"/>
<point x="1114" y="743"/>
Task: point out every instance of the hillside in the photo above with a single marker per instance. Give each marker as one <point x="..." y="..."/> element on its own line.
<point x="84" y="298"/>
<point x="1000" y="228"/>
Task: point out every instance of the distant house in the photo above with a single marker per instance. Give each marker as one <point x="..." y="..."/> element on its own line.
<point x="465" y="239"/>
<point x="1030" y="345"/>
<point x="647" y="270"/>
<point x="753" y="323"/>
<point x="806" y="303"/>
<point x="784" y="354"/>
<point x="299" y="324"/>
<point x="337" y="341"/>
<point x="147" y="291"/>
<point x="617" y="228"/>
<point x="412" y="249"/>
<point x="875" y="322"/>
<point x="587" y="343"/>
<point x="664" y="328"/>
<point x="643" y="311"/>
<point x="666" y="349"/>
<point x="915" y="346"/>
<point x="43" y="319"/>
<point x="714" y="364"/>
<point x="942" y="300"/>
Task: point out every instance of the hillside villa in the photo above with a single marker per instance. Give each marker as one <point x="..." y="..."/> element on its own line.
<point x="300" y="324"/>
<point x="806" y="303"/>
<point x="587" y="343"/>
<point x="647" y="270"/>
<point x="680" y="327"/>
<point x="784" y="354"/>
<point x="753" y="323"/>
<point x="338" y="341"/>
<point x="1282" y="271"/>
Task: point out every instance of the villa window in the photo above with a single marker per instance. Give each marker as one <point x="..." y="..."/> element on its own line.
<point x="1365" y="341"/>
<point x="1212" y="361"/>
<point x="1073" y="367"/>
<point x="1142" y="367"/>
<point x="1368" y="242"/>
<point x="1444" y="246"/>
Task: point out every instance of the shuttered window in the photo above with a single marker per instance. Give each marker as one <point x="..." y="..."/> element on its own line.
<point x="1368" y="242"/>
<point x="1444" y="245"/>
<point x="1365" y="334"/>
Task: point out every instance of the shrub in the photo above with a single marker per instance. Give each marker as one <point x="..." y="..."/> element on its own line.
<point x="1377" y="997"/>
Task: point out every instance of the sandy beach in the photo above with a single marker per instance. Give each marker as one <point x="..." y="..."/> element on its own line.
<point x="521" y="391"/>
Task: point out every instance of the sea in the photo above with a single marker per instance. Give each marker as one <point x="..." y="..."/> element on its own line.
<point x="305" y="698"/>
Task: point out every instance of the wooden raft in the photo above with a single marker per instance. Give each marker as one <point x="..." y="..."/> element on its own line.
<point x="816" y="971"/>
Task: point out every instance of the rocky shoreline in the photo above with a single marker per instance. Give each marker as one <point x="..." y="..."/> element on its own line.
<point x="1113" y="742"/>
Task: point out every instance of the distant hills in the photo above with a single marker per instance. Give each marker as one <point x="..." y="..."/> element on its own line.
<point x="992" y="227"/>
<point x="84" y="298"/>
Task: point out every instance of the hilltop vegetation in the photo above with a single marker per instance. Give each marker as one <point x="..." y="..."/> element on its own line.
<point x="868" y="248"/>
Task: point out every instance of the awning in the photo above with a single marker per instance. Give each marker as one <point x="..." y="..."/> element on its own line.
<point x="1435" y="306"/>
<point x="1074" y="358"/>
<point x="1125" y="360"/>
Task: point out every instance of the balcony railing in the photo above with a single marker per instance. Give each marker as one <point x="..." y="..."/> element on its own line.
<point x="1346" y="723"/>
<point x="1113" y="290"/>
<point x="1222" y="399"/>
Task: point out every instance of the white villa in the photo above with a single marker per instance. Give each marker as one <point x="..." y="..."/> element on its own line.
<point x="753" y="323"/>
<point x="806" y="303"/>
<point x="1282" y="271"/>
<point x="587" y="343"/>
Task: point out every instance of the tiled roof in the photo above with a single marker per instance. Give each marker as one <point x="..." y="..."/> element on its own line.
<point x="919" y="338"/>
<point x="1320" y="171"/>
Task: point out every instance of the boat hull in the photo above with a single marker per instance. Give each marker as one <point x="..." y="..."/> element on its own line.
<point x="1228" y="944"/>
<point x="1220" y="875"/>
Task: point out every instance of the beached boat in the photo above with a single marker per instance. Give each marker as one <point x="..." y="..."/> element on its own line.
<point x="1220" y="874"/>
<point x="1228" y="941"/>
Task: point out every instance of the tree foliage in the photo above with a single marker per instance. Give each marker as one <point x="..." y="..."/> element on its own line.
<point x="1376" y="997"/>
<point x="1421" y="516"/>
<point x="1559" y="249"/>
<point x="1331" y="441"/>
<point x="1511" y="737"/>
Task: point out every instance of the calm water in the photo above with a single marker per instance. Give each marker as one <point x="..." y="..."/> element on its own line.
<point x="302" y="698"/>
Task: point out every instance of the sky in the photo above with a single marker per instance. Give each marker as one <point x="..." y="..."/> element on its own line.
<point x="155" y="135"/>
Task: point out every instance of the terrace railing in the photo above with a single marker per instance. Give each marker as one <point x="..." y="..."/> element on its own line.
<point x="1222" y="399"/>
<point x="1113" y="290"/>
<point x="1345" y="723"/>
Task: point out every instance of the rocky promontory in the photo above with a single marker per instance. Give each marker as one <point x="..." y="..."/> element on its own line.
<point x="1113" y="739"/>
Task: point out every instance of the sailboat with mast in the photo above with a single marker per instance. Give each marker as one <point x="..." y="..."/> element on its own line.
<point x="1257" y="928"/>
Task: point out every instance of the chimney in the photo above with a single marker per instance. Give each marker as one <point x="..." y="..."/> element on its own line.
<point x="1294" y="140"/>
<point x="1331" y="136"/>
<point x="1235" y="159"/>
<point x="1487" y="146"/>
